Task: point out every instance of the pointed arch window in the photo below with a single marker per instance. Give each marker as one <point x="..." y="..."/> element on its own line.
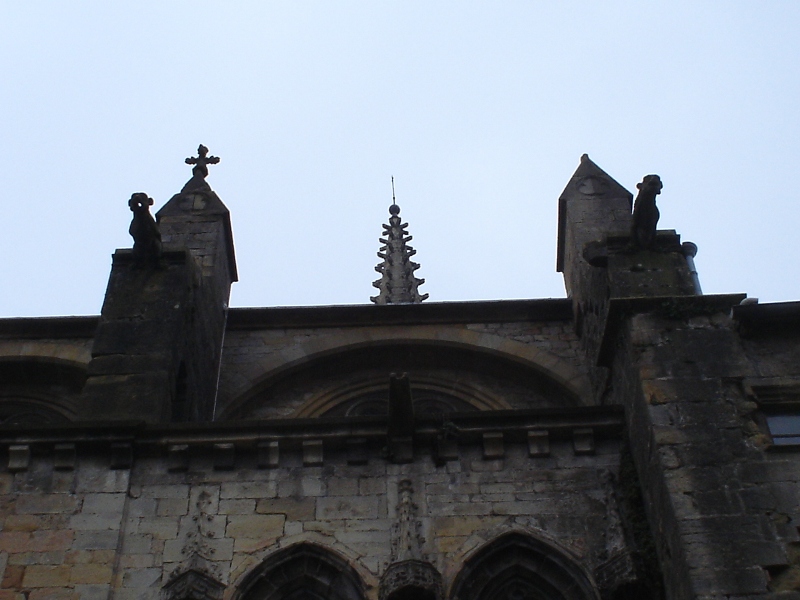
<point x="302" y="572"/>
<point x="521" y="567"/>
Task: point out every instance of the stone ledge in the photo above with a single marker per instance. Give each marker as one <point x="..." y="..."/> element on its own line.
<point x="773" y="317"/>
<point x="265" y="442"/>
<point x="619" y="308"/>
<point x="548" y="309"/>
<point x="48" y="327"/>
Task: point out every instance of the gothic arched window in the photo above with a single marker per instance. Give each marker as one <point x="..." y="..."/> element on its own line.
<point x="302" y="572"/>
<point x="35" y="391"/>
<point x="521" y="567"/>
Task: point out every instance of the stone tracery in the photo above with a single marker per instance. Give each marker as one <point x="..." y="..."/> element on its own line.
<point x="516" y="566"/>
<point x="302" y="572"/>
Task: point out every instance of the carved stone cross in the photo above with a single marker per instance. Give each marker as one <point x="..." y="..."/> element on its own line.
<point x="200" y="163"/>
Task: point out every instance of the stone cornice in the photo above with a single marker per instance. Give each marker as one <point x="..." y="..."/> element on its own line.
<point x="558" y="421"/>
<point x="676" y="307"/>
<point x="549" y="309"/>
<point x="48" y="327"/>
<point x="773" y="317"/>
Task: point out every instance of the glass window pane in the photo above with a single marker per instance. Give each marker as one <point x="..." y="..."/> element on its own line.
<point x="781" y="425"/>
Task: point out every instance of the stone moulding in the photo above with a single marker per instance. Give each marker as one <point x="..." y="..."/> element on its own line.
<point x="279" y="317"/>
<point x="264" y="443"/>
<point x="193" y="585"/>
<point x="418" y="575"/>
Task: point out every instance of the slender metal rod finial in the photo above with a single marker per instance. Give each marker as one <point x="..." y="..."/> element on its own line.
<point x="393" y="198"/>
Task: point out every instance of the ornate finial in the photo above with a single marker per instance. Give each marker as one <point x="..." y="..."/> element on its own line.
<point x="397" y="284"/>
<point x="645" y="213"/>
<point x="409" y="570"/>
<point x="145" y="233"/>
<point x="200" y="163"/>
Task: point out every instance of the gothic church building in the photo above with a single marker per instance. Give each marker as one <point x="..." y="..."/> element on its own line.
<point x="634" y="440"/>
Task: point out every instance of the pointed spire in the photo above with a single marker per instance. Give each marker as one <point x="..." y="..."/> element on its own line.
<point x="397" y="284"/>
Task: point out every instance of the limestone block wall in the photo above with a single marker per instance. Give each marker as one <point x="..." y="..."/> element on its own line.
<point x="773" y="486"/>
<point x="61" y="530"/>
<point x="80" y="529"/>
<point x="722" y="502"/>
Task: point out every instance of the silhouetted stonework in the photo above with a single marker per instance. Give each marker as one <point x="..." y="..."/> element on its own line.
<point x="145" y="233"/>
<point x="634" y="440"/>
<point x="645" y="213"/>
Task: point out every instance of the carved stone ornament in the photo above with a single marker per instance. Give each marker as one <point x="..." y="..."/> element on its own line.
<point x="145" y="233"/>
<point x="407" y="537"/>
<point x="193" y="585"/>
<point x="409" y="576"/>
<point x="201" y="162"/>
<point x="200" y="536"/>
<point x="197" y="187"/>
<point x="397" y="284"/>
<point x="411" y="579"/>
<point x="645" y="213"/>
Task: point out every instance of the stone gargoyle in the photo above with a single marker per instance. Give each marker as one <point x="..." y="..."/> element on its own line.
<point x="645" y="213"/>
<point x="145" y="233"/>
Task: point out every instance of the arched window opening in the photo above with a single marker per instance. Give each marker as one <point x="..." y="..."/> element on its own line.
<point x="28" y="412"/>
<point x="36" y="391"/>
<point x="444" y="377"/>
<point x="521" y="567"/>
<point x="302" y="572"/>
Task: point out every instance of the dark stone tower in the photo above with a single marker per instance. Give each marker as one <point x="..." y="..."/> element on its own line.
<point x="677" y="363"/>
<point x="601" y="253"/>
<point x="157" y="348"/>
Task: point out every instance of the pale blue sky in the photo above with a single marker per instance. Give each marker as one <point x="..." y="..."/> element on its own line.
<point x="480" y="110"/>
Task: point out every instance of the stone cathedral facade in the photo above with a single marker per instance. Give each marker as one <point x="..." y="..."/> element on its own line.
<point x="634" y="440"/>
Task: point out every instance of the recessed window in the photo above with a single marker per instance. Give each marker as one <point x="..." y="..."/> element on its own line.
<point x="784" y="428"/>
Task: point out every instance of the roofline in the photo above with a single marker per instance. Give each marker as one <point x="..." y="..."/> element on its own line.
<point x="772" y="317"/>
<point x="49" y="327"/>
<point x="348" y="315"/>
<point x="482" y="311"/>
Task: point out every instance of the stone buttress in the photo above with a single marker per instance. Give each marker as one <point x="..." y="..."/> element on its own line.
<point x="157" y="349"/>
<point x="674" y="360"/>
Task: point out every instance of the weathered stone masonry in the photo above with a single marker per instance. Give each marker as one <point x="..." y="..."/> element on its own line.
<point x="634" y="440"/>
<point x="86" y="527"/>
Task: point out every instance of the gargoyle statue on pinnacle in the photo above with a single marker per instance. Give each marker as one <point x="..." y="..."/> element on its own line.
<point x="645" y="213"/>
<point x="145" y="233"/>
